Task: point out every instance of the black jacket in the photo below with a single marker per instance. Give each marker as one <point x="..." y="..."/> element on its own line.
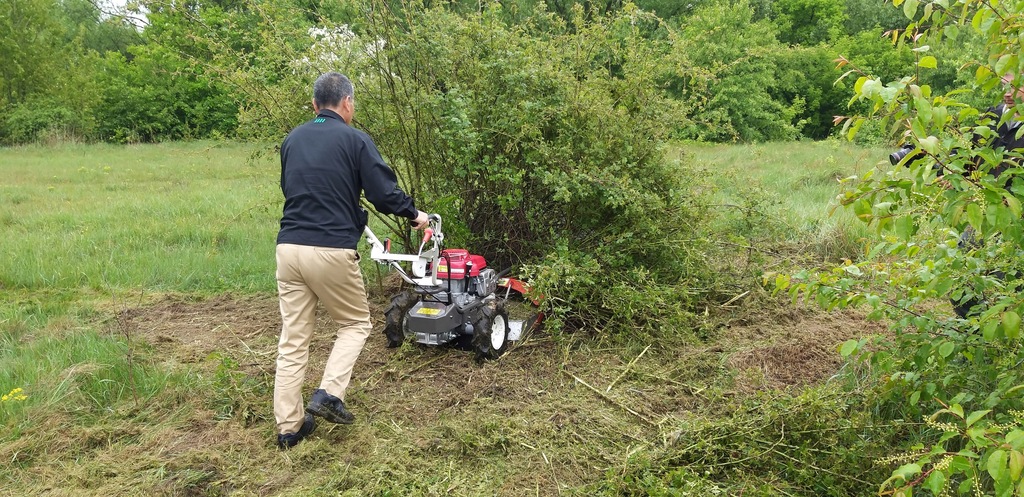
<point x="1006" y="139"/>
<point x="325" y="164"/>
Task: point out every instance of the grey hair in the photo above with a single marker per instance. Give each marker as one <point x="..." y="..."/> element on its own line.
<point x="330" y="89"/>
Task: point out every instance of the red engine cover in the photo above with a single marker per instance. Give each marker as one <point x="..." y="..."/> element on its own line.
<point x="458" y="259"/>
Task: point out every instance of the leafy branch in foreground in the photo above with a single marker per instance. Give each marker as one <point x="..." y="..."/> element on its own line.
<point x="949" y="222"/>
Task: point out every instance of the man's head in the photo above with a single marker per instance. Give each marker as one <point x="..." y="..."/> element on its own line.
<point x="333" y="91"/>
<point x="1012" y="94"/>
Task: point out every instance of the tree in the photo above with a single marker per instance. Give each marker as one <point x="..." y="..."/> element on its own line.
<point x="82" y="22"/>
<point x="808" y="22"/>
<point x="29" y="44"/>
<point x="865" y="15"/>
<point x="726" y="62"/>
<point x="805" y="79"/>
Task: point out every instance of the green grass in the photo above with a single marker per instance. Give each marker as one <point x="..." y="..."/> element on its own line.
<point x="185" y="217"/>
<point x="774" y="193"/>
<point x="118" y="404"/>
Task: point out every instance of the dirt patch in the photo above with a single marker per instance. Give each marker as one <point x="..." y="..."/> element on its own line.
<point x="795" y="348"/>
<point x="189" y="330"/>
<point x="247" y="329"/>
<point x="792" y="347"/>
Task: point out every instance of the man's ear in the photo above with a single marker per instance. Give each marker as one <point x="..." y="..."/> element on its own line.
<point x="316" y="110"/>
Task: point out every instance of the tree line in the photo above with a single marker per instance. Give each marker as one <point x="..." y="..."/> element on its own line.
<point x="746" y="70"/>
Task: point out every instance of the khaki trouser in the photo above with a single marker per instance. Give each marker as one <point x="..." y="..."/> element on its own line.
<point x="306" y="275"/>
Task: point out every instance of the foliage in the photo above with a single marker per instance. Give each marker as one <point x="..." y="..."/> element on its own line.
<point x="728" y="73"/>
<point x="157" y="97"/>
<point x="805" y="78"/>
<point x="29" y="121"/>
<point x="808" y="22"/>
<point x="541" y="147"/>
<point x="28" y="37"/>
<point x="948" y="227"/>
<point x="870" y="15"/>
<point x="83" y="22"/>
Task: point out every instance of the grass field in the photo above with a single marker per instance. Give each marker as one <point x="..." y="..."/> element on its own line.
<point x="138" y="316"/>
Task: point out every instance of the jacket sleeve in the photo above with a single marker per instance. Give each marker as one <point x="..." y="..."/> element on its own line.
<point x="283" y="159"/>
<point x="380" y="183"/>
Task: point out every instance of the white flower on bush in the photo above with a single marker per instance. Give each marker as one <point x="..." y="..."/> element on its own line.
<point x="337" y="48"/>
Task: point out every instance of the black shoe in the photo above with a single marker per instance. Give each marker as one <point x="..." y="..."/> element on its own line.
<point x="289" y="440"/>
<point x="329" y="407"/>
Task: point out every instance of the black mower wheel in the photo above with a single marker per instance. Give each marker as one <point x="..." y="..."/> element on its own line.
<point x="490" y="333"/>
<point x="396" y="317"/>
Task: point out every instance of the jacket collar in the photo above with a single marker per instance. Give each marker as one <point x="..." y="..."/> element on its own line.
<point x="329" y="113"/>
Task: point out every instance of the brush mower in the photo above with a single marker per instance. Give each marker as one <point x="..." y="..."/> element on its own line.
<point x="454" y="297"/>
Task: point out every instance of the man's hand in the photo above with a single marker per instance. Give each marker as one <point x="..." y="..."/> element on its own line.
<point x="421" y="220"/>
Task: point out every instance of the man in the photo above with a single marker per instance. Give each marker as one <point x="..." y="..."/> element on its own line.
<point x="325" y="164"/>
<point x="1009" y="138"/>
<point x="1007" y="130"/>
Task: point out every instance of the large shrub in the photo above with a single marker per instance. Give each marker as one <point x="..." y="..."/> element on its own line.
<point x="542" y="142"/>
<point x="539" y="141"/>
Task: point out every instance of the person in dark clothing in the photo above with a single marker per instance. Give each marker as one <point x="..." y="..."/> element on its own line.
<point x="325" y="167"/>
<point x="1009" y="139"/>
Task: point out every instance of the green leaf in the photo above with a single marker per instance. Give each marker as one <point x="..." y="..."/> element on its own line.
<point x="907" y="471"/>
<point x="1016" y="464"/>
<point x="988" y="331"/>
<point x="976" y="415"/>
<point x="946" y="349"/>
<point x="858" y="86"/>
<point x="982" y="73"/>
<point x="862" y="208"/>
<point x="847" y="348"/>
<point x="1011" y="324"/>
<point x="930" y="144"/>
<point x="910" y="8"/>
<point x="1013" y="204"/>
<point x="1016" y="439"/>
<point x="905" y="227"/>
<point x="871" y="88"/>
<point x="1004" y="62"/>
<point x="978" y="18"/>
<point x="935" y="482"/>
<point x="996" y="464"/>
<point x="974" y="215"/>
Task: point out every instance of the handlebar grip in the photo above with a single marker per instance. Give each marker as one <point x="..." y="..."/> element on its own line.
<point x="430" y="218"/>
<point x="427" y="235"/>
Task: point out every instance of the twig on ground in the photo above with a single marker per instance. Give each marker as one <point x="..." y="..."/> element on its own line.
<point x="421" y="366"/>
<point x="612" y="401"/>
<point x="624" y="371"/>
<point x="734" y="299"/>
